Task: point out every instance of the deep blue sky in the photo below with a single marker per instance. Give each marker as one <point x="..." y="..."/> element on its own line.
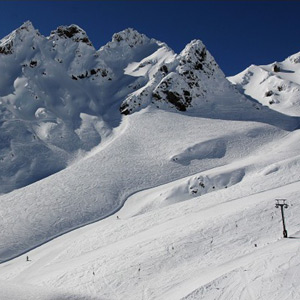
<point x="237" y="33"/>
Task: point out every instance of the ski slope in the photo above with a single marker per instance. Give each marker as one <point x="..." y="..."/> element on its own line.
<point x="166" y="242"/>
<point x="197" y="249"/>
<point x="86" y="192"/>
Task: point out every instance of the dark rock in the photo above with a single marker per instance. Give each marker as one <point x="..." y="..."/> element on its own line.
<point x="269" y="93"/>
<point x="176" y="100"/>
<point x="7" y="49"/>
<point x="187" y="97"/>
<point x="164" y="69"/>
<point x="67" y="31"/>
<point x="85" y="40"/>
<point x="33" y="63"/>
<point x="276" y="68"/>
<point x="104" y="73"/>
<point x="201" y="55"/>
<point x="118" y="38"/>
<point x="124" y="109"/>
<point x="72" y="32"/>
<point x="198" y="66"/>
<point x="156" y="96"/>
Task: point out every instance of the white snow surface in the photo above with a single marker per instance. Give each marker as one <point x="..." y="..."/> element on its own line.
<point x="277" y="88"/>
<point x="157" y="204"/>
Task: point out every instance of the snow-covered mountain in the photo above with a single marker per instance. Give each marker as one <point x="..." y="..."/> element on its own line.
<point x="276" y="85"/>
<point x="60" y="97"/>
<point x="163" y="175"/>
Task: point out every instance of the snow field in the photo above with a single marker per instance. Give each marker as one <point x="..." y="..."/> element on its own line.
<point x="195" y="248"/>
<point x="84" y="192"/>
<point x="279" y="90"/>
<point x="169" y="253"/>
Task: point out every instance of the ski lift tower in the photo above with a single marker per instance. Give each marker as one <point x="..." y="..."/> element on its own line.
<point x="281" y="203"/>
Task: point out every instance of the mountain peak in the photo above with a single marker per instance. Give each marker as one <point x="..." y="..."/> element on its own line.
<point x="193" y="46"/>
<point x="194" y="52"/>
<point x="27" y="26"/>
<point x="181" y="81"/>
<point x="196" y="56"/>
<point x="130" y="36"/>
<point x="8" y="43"/>
<point x="276" y="85"/>
<point x="73" y="32"/>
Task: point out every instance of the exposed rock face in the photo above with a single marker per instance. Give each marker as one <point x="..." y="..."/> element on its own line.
<point x="10" y="43"/>
<point x="173" y="89"/>
<point x="6" y="48"/>
<point x="130" y="37"/>
<point x="192" y="76"/>
<point x="73" y="32"/>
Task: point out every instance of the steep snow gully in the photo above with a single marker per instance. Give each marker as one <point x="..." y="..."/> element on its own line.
<point x="167" y="170"/>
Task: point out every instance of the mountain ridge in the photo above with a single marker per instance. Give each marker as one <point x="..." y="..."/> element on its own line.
<point x="60" y="97"/>
<point x="276" y="85"/>
<point x="66" y="95"/>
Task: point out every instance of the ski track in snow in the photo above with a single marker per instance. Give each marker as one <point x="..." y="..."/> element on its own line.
<point x="185" y="287"/>
<point x="158" y="253"/>
<point x="140" y="153"/>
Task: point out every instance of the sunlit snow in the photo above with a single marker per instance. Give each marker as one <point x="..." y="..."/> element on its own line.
<point x="133" y="172"/>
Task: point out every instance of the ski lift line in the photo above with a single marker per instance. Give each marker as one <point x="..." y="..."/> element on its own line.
<point x="282" y="204"/>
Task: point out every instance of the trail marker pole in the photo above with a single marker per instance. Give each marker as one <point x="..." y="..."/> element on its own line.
<point x="281" y="203"/>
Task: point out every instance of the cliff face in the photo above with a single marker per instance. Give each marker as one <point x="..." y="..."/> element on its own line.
<point x="178" y="81"/>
